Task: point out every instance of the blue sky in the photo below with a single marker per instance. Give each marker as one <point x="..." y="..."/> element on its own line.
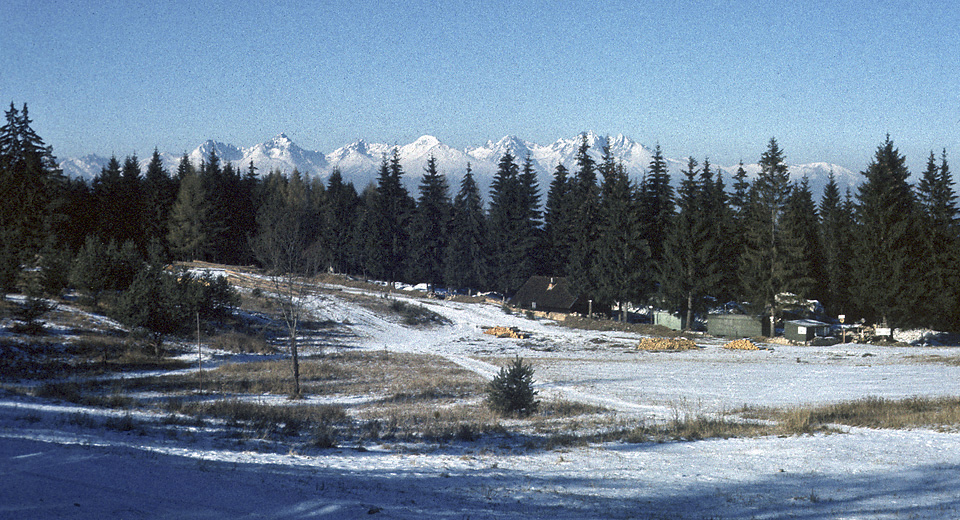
<point x="712" y="78"/>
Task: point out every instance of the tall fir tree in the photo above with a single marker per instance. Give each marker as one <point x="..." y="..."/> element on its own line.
<point x="32" y="187"/>
<point x="531" y="221"/>
<point x="188" y="235"/>
<point x="716" y="205"/>
<point x="132" y="205"/>
<point x="884" y="261"/>
<point x="585" y="193"/>
<point x="657" y="204"/>
<point x="740" y="197"/>
<point x="393" y="208"/>
<point x="762" y="263"/>
<point x="939" y="288"/>
<point x="558" y="221"/>
<point x="107" y="194"/>
<point x="622" y="265"/>
<point x="504" y="236"/>
<point x="466" y="266"/>
<point x="803" y="255"/>
<point x="429" y="227"/>
<point x="836" y="226"/>
<point x="690" y="268"/>
<point x="159" y="191"/>
<point x="339" y="216"/>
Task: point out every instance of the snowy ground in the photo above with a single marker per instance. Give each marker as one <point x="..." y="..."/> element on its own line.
<point x="53" y="467"/>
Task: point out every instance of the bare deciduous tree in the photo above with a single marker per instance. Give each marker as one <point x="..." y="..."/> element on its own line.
<point x="287" y="250"/>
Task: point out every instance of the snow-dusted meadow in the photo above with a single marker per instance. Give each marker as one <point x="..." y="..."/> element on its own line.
<point x="55" y="465"/>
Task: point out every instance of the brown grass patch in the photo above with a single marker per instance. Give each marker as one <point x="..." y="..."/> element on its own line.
<point x="242" y="343"/>
<point x="42" y="358"/>
<point x="871" y="412"/>
<point x="935" y="359"/>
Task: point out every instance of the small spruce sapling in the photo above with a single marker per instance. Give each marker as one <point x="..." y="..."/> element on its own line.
<point x="511" y="391"/>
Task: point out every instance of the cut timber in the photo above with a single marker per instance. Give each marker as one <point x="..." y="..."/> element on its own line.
<point x="741" y="344"/>
<point x="667" y="344"/>
<point x="505" y="332"/>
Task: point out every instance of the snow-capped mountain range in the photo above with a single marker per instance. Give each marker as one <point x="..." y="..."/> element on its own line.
<point x="359" y="162"/>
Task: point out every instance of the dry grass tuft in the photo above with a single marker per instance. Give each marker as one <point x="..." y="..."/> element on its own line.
<point x="871" y="412"/>
<point x="242" y="343"/>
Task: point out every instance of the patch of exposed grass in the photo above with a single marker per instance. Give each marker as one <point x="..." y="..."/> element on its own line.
<point x="241" y="343"/>
<point x="43" y="358"/>
<point x="285" y="415"/>
<point x="935" y="359"/>
<point x="418" y="423"/>
<point x="870" y="412"/>
<point x="409" y="314"/>
<point x="565" y="408"/>
<point x="90" y="393"/>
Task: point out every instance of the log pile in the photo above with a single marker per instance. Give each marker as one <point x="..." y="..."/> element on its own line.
<point x="505" y="332"/>
<point x="666" y="344"/>
<point x="741" y="344"/>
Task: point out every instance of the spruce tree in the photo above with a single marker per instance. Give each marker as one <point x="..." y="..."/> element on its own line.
<point x="429" y="227"/>
<point x="159" y="191"/>
<point x="188" y="234"/>
<point x="531" y="221"/>
<point x="762" y="264"/>
<point x="235" y="200"/>
<point x="657" y="204"/>
<point x="339" y="216"/>
<point x="108" y="196"/>
<point x="558" y="222"/>
<point x="504" y="236"/>
<point x="389" y="233"/>
<point x="131" y="205"/>
<point x="884" y="261"/>
<point x="585" y="195"/>
<point x="622" y="264"/>
<point x="690" y="268"/>
<point x="836" y="226"/>
<point x="31" y="185"/>
<point x="938" y="263"/>
<point x="803" y="256"/>
<point x="466" y="266"/>
<point x="723" y="230"/>
<point x="741" y="190"/>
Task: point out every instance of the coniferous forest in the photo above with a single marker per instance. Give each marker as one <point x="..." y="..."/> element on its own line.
<point x="888" y="251"/>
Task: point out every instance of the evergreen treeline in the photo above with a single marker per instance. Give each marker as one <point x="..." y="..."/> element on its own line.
<point x="888" y="251"/>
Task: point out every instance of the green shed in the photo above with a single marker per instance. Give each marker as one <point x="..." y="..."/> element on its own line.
<point x="738" y="325"/>
<point x="669" y="320"/>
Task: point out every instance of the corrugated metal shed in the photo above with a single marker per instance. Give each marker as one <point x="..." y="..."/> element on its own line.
<point x="804" y="330"/>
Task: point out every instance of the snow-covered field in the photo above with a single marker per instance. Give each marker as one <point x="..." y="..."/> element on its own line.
<point x="53" y="467"/>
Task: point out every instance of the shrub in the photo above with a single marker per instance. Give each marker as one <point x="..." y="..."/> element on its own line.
<point x="511" y="391"/>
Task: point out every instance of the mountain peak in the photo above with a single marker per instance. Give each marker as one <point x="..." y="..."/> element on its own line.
<point x="358" y="162"/>
<point x="280" y="141"/>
